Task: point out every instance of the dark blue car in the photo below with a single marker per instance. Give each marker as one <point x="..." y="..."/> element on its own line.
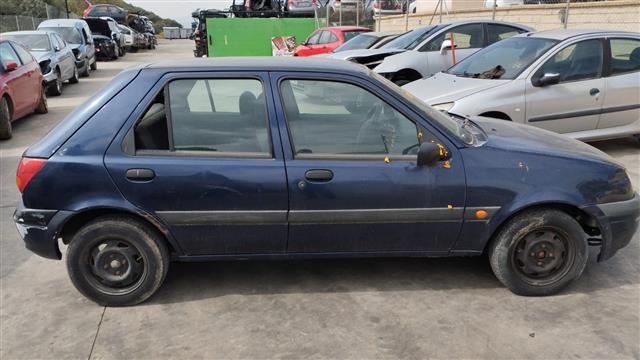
<point x="235" y="159"/>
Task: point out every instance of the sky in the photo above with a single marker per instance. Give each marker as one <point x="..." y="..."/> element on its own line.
<point x="179" y="10"/>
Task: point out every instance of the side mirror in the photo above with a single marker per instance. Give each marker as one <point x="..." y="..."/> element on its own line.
<point x="547" y="79"/>
<point x="446" y="45"/>
<point x="430" y="153"/>
<point x="56" y="48"/>
<point x="11" y="65"/>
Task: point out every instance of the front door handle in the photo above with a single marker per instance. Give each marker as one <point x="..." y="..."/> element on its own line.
<point x="594" y="92"/>
<point x="140" y="174"/>
<point x="318" y="175"/>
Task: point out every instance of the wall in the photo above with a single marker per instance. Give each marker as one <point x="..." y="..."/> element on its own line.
<point x="605" y="15"/>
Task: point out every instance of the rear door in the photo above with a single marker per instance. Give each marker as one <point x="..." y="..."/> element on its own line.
<point x="621" y="104"/>
<point x="205" y="158"/>
<point x="575" y="103"/>
<point x="354" y="185"/>
<point x="19" y="80"/>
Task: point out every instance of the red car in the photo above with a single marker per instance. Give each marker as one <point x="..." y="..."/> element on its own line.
<point x="21" y="86"/>
<point x="325" y="40"/>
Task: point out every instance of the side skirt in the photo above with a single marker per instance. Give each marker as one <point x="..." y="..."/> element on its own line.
<point x="341" y="255"/>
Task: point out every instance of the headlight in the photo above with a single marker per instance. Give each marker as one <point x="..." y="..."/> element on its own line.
<point x="76" y="53"/>
<point x="444" y="106"/>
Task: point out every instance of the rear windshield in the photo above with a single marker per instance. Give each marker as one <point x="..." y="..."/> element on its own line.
<point x="410" y="40"/>
<point x="348" y="35"/>
<point x="33" y="42"/>
<point x="70" y="34"/>
<point x="362" y="41"/>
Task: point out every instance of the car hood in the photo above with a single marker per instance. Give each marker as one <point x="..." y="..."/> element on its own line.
<point x="511" y="136"/>
<point x="443" y="87"/>
<point x="42" y="55"/>
<point x="363" y="53"/>
<point x="101" y="38"/>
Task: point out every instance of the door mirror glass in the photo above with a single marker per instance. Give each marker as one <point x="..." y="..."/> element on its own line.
<point x="11" y="65"/>
<point x="547" y="79"/>
<point x="446" y="45"/>
<point x="428" y="154"/>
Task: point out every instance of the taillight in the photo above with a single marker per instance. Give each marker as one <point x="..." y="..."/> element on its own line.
<point x="376" y="5"/>
<point x="291" y="2"/>
<point x="27" y="169"/>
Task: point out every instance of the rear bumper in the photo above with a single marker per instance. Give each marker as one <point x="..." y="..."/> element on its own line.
<point x="40" y="229"/>
<point x="618" y="224"/>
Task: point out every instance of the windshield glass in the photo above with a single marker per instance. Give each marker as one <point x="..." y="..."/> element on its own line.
<point x="411" y="39"/>
<point x="454" y="125"/>
<point x="505" y="59"/>
<point x="362" y="41"/>
<point x="70" y="34"/>
<point x="33" y="42"/>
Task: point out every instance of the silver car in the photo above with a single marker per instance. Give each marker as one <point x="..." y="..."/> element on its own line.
<point x="582" y="83"/>
<point x="425" y="51"/>
<point x="56" y="59"/>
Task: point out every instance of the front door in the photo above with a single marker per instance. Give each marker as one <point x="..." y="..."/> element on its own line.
<point x="574" y="104"/>
<point x="351" y="167"/>
<point x="203" y="157"/>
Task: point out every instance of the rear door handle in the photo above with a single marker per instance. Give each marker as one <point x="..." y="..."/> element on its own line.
<point x="140" y="174"/>
<point x="318" y="175"/>
<point x="594" y="92"/>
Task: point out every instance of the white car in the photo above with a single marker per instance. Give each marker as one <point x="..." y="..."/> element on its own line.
<point x="582" y="83"/>
<point x="425" y="51"/>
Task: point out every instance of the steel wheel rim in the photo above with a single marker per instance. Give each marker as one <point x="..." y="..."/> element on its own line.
<point x="542" y="256"/>
<point x="114" y="266"/>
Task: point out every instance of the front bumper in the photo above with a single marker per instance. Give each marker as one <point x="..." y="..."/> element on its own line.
<point x="50" y="77"/>
<point x="40" y="229"/>
<point x="618" y="222"/>
<point x="80" y="64"/>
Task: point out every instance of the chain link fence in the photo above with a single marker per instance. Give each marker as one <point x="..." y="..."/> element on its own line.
<point x="22" y="22"/>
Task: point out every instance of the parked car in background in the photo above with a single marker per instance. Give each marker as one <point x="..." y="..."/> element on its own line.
<point x="78" y="36"/>
<point x="388" y="7"/>
<point x="99" y="10"/>
<point x="326" y="39"/>
<point x="300" y="7"/>
<point x="582" y="83"/>
<point x="130" y="38"/>
<point x="367" y="40"/>
<point x="55" y="58"/>
<point x="346" y="6"/>
<point x="22" y="88"/>
<point x="502" y="3"/>
<point x="424" y="52"/>
<point x="107" y="42"/>
<point x="119" y="36"/>
<point x="275" y="175"/>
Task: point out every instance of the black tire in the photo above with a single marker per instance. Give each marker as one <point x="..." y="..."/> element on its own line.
<point x="111" y="243"/>
<point x="123" y="51"/>
<point x="5" y="119"/>
<point x="87" y="70"/>
<point x="42" y="107"/>
<point x="55" y="89"/>
<point x="116" y="53"/>
<point x="94" y="65"/>
<point x="75" y="78"/>
<point x="401" y="81"/>
<point x="539" y="252"/>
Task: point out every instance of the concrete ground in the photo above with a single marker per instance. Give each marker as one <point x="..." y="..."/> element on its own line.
<point x="373" y="308"/>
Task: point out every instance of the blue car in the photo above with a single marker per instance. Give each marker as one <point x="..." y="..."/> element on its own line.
<point x="214" y="159"/>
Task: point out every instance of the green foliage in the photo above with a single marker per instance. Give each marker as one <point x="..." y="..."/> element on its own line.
<point x="35" y="8"/>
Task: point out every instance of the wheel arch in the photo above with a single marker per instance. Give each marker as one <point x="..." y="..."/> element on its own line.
<point x="10" y="103"/>
<point x="589" y="223"/>
<point x="496" y="115"/>
<point x="407" y="73"/>
<point x="75" y="222"/>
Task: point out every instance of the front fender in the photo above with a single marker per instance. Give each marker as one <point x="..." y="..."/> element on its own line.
<point x="404" y="60"/>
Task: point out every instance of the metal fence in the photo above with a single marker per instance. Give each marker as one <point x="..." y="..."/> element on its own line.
<point x="21" y="22"/>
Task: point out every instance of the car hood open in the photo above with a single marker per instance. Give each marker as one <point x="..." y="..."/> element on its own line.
<point x="443" y="87"/>
<point x="99" y="26"/>
<point x="512" y="136"/>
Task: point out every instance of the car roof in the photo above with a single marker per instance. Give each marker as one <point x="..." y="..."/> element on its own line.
<point x="563" y="34"/>
<point x="344" y="28"/>
<point x="264" y="63"/>
<point x="63" y="22"/>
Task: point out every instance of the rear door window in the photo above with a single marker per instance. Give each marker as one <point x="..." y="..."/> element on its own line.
<point x="625" y="55"/>
<point x="213" y="117"/>
<point x="499" y="32"/>
<point x="325" y="38"/>
<point x="469" y="36"/>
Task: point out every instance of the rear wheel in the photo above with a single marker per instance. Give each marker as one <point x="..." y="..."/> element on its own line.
<point x="117" y="261"/>
<point x="539" y="252"/>
<point x="42" y="107"/>
<point x="5" y="119"/>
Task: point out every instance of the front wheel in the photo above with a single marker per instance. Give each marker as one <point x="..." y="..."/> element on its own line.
<point x="55" y="89"/>
<point x="539" y="252"/>
<point x="42" y="107"/>
<point x="76" y="76"/>
<point x="5" y="119"/>
<point x="94" y="65"/>
<point x="117" y="261"/>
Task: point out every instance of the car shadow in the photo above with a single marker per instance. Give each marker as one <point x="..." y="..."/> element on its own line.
<point x="197" y="281"/>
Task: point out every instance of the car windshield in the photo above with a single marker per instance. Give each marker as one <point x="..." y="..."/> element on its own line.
<point x="411" y="39"/>
<point x="348" y="35"/>
<point x="505" y="59"/>
<point x="456" y="126"/>
<point x="362" y="41"/>
<point x="33" y="42"/>
<point x="70" y="34"/>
